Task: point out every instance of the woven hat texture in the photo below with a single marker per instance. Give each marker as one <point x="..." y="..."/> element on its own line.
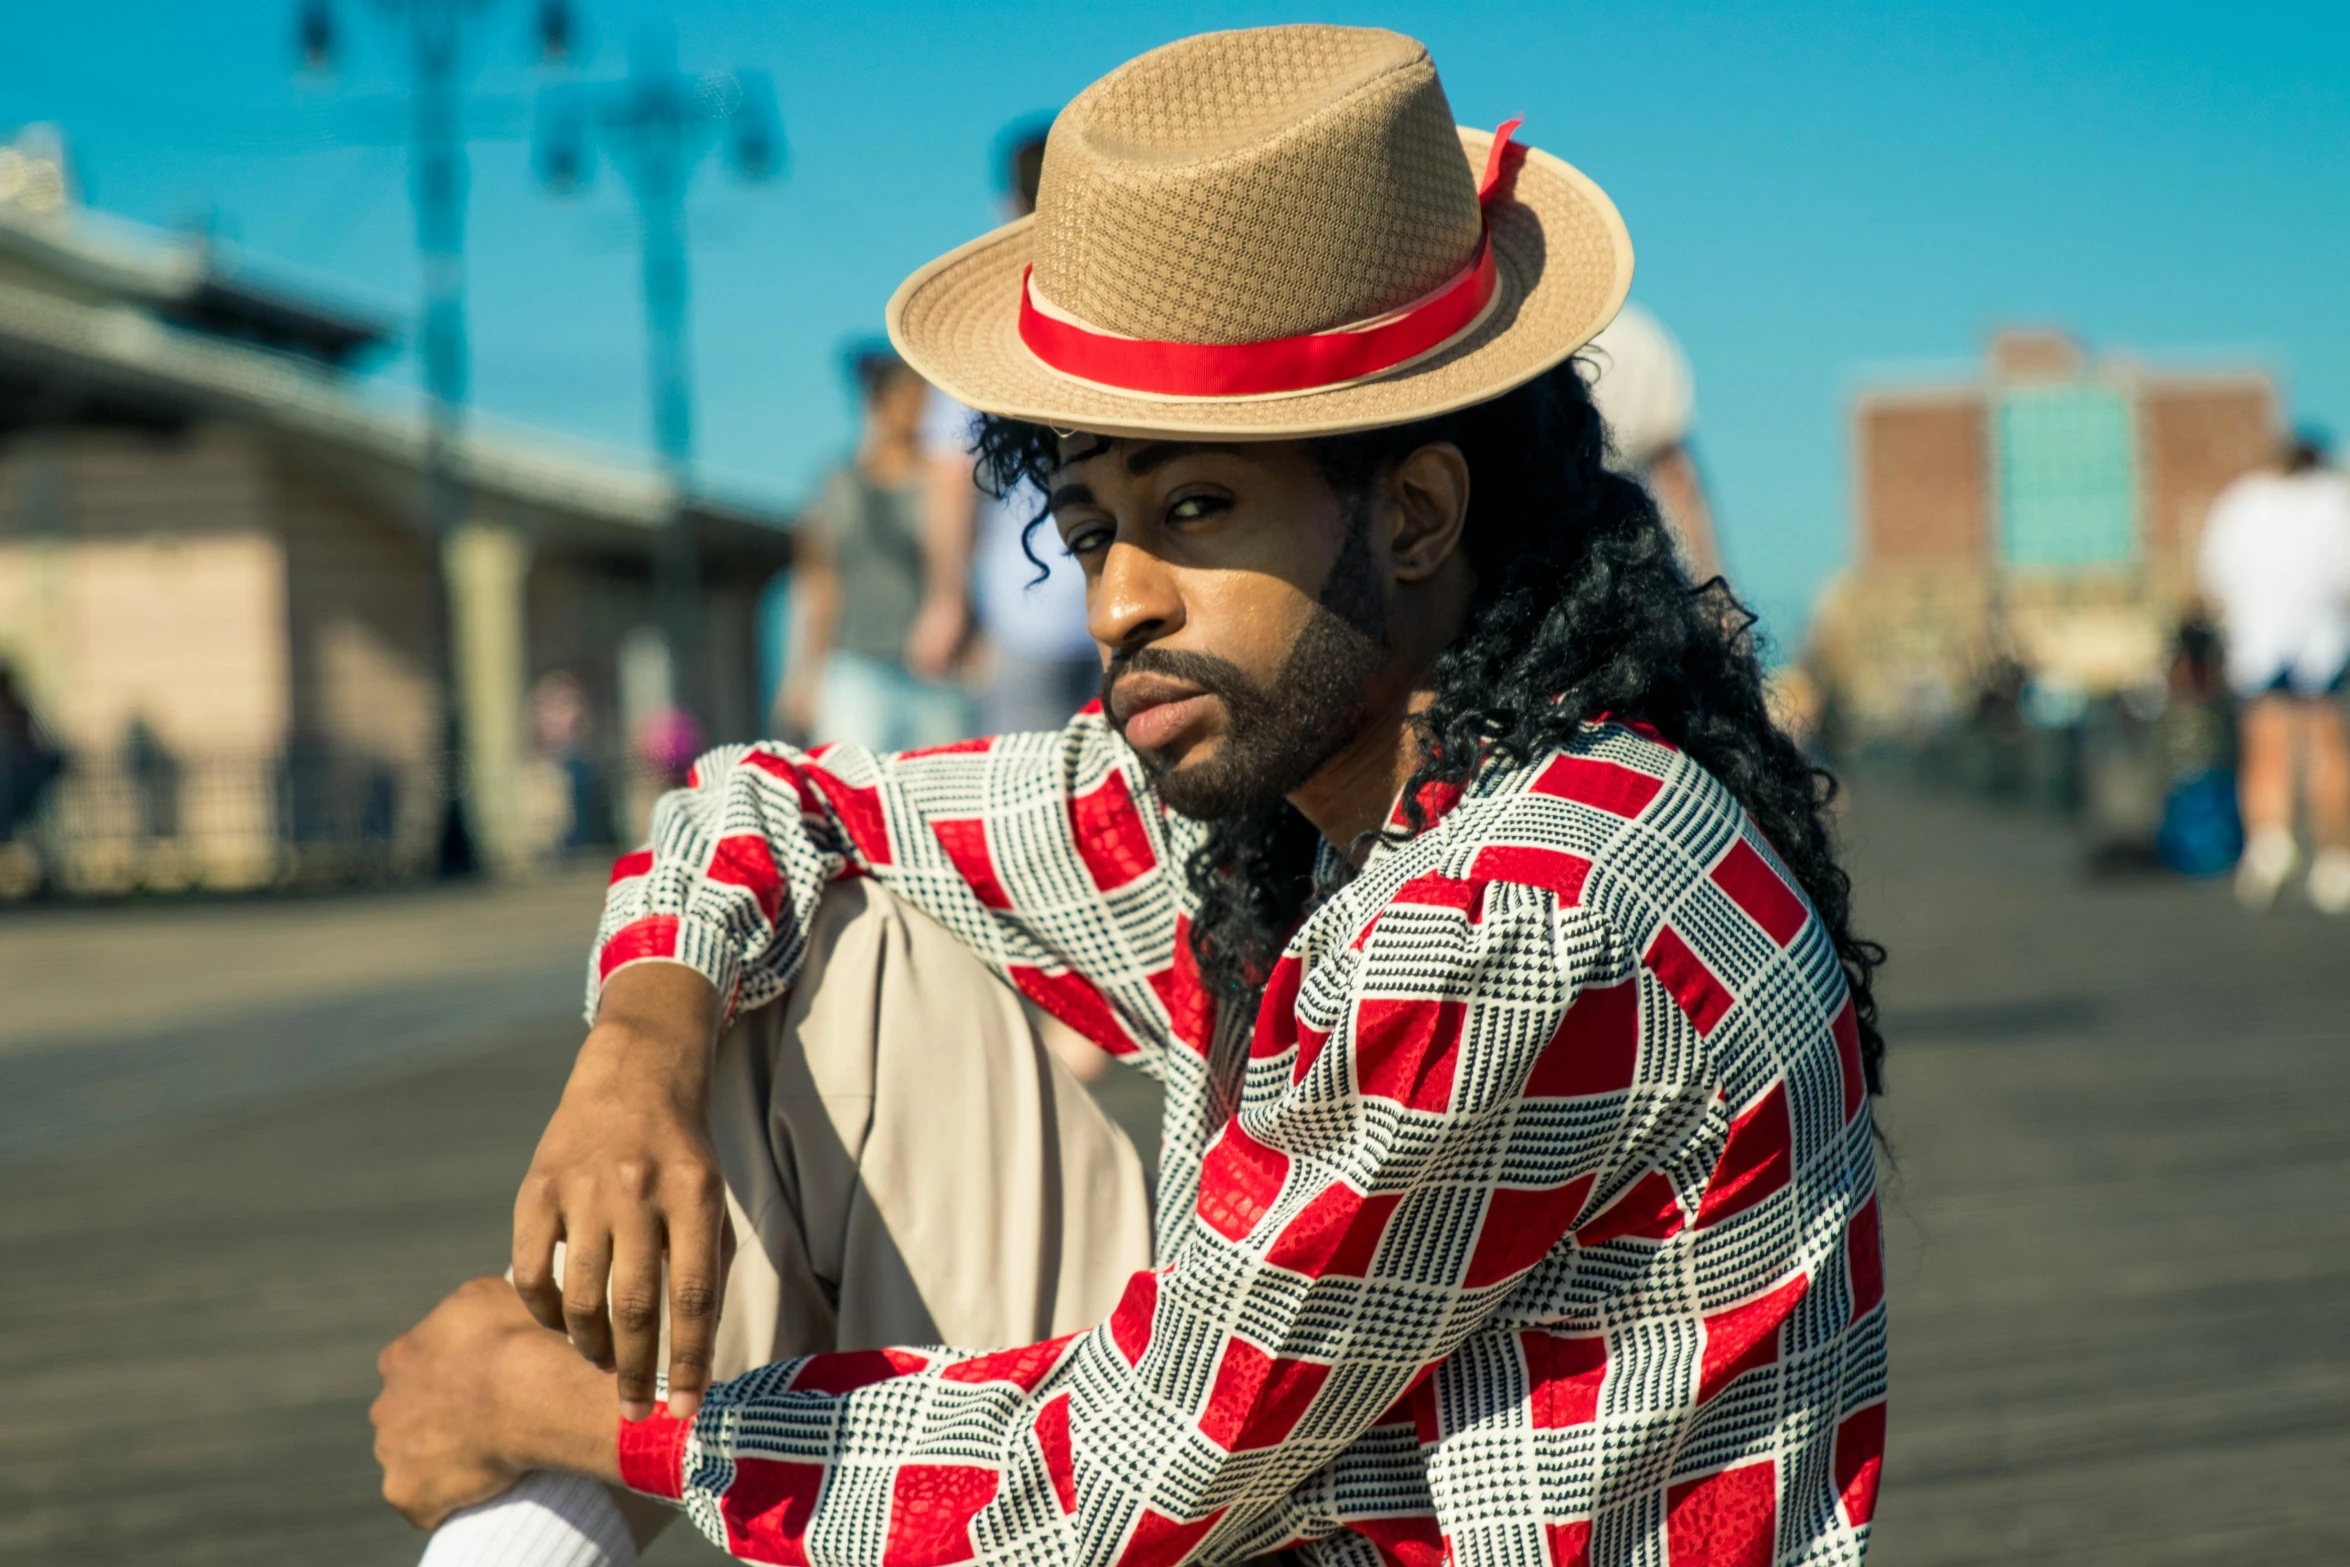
<point x="1241" y="186"/>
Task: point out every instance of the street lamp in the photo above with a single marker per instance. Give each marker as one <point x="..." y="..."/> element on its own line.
<point x="655" y="124"/>
<point x="435" y="35"/>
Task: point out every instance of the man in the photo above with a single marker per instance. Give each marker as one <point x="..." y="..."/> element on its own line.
<point x="1044" y="667"/>
<point x="2275" y="559"/>
<point x="1042" y="663"/>
<point x="1648" y="396"/>
<point x="29" y="761"/>
<point x="1432" y="846"/>
<point x="866" y="589"/>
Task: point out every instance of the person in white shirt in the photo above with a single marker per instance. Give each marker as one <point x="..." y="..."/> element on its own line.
<point x="2275" y="561"/>
<point x="1031" y="607"/>
<point x="1642" y="383"/>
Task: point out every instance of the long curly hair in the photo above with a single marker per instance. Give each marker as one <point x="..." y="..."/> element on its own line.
<point x="1581" y="608"/>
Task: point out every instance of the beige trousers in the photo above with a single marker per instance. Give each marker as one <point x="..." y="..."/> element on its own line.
<point x="907" y="1160"/>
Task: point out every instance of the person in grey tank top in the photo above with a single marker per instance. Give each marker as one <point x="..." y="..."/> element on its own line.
<point x="864" y="582"/>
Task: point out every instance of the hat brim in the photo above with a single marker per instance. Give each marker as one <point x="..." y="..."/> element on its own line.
<point x="1560" y="249"/>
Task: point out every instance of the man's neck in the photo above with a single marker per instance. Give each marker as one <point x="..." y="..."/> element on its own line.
<point x="1352" y="793"/>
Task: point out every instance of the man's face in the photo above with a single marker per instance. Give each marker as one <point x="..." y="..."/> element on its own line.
<point x="897" y="405"/>
<point x="1239" y="606"/>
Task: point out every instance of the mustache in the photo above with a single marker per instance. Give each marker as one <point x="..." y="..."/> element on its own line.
<point x="1218" y="677"/>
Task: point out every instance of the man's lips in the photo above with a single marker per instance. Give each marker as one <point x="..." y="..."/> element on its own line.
<point x="1152" y="710"/>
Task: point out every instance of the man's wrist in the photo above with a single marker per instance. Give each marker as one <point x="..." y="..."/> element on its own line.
<point x="671" y="1063"/>
<point x="655" y="1024"/>
<point x="553" y="1409"/>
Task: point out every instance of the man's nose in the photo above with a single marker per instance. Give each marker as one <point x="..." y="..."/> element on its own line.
<point x="1135" y="599"/>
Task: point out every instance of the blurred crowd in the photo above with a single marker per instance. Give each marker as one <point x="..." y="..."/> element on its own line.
<point x="2235" y="758"/>
<point x="923" y="607"/>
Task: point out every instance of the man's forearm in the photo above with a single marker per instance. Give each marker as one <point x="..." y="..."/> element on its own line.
<point x="950" y="525"/>
<point x="656" y="1016"/>
<point x="815" y="611"/>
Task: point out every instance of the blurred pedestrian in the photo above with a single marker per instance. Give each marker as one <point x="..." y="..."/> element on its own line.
<point x="29" y="760"/>
<point x="562" y="727"/>
<point x="2202" y="830"/>
<point x="155" y="778"/>
<point x="878" y="616"/>
<point x="1646" y="392"/>
<point x="1031" y="605"/>
<point x="2276" y="562"/>
<point x="666" y="744"/>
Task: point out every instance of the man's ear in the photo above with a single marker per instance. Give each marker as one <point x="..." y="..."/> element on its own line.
<point x="1428" y="502"/>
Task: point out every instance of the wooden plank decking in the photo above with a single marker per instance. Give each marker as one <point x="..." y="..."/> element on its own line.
<point x="2118" y="1228"/>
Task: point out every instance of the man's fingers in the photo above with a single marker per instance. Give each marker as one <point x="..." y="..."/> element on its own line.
<point x="538" y="1225"/>
<point x="698" y="1237"/>
<point x="587" y="1262"/>
<point x="636" y="1313"/>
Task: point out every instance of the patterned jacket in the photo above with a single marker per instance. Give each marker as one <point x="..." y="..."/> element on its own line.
<point x="1542" y="1230"/>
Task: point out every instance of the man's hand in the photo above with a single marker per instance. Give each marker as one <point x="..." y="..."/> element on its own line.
<point x="795" y="710"/>
<point x="477" y="1395"/>
<point x="935" y="640"/>
<point x="624" y="1173"/>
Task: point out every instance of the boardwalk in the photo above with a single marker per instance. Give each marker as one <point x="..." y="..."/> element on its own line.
<point x="2119" y="1240"/>
<point x="2120" y="1249"/>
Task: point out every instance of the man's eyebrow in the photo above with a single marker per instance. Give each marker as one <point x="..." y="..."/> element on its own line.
<point x="1144" y="458"/>
<point x="1138" y="462"/>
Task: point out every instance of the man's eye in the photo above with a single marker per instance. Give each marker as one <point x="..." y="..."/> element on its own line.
<point x="1191" y="508"/>
<point x="1084" y="539"/>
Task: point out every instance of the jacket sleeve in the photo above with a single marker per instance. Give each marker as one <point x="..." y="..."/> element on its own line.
<point x="1395" y="1169"/>
<point x="1043" y="853"/>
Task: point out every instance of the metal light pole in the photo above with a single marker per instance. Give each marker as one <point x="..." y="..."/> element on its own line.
<point x="656" y="124"/>
<point x="435" y="36"/>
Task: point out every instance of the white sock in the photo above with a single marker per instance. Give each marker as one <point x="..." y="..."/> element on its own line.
<point x="2329" y="880"/>
<point x="2268" y="859"/>
<point x="551" y="1519"/>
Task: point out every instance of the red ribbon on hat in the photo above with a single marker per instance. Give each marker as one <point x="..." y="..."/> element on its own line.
<point x="1278" y="364"/>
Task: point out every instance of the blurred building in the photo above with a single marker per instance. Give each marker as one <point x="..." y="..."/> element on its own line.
<point x="216" y="582"/>
<point x="2036" y="521"/>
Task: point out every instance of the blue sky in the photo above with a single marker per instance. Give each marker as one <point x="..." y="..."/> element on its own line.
<point x="1813" y="190"/>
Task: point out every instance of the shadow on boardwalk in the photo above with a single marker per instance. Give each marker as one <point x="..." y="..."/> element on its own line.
<point x="2118" y="1242"/>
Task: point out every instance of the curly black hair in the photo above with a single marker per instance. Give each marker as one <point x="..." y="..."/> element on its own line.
<point x="1581" y="608"/>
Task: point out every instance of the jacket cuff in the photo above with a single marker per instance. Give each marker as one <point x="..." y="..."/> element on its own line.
<point x="652" y="1454"/>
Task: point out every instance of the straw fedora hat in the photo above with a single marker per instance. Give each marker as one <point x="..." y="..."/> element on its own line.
<point x="1269" y="233"/>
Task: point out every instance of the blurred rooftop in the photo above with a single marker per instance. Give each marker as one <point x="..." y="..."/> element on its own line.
<point x="102" y="318"/>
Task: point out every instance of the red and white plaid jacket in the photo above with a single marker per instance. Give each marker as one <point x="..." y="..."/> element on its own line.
<point x="1544" y="1230"/>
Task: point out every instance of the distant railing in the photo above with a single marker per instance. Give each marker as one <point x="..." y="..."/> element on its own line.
<point x="147" y="820"/>
<point x="162" y="822"/>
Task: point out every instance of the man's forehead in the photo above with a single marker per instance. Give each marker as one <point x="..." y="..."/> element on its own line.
<point x="1138" y="454"/>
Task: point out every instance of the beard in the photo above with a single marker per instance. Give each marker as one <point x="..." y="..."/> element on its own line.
<point x="1279" y="735"/>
